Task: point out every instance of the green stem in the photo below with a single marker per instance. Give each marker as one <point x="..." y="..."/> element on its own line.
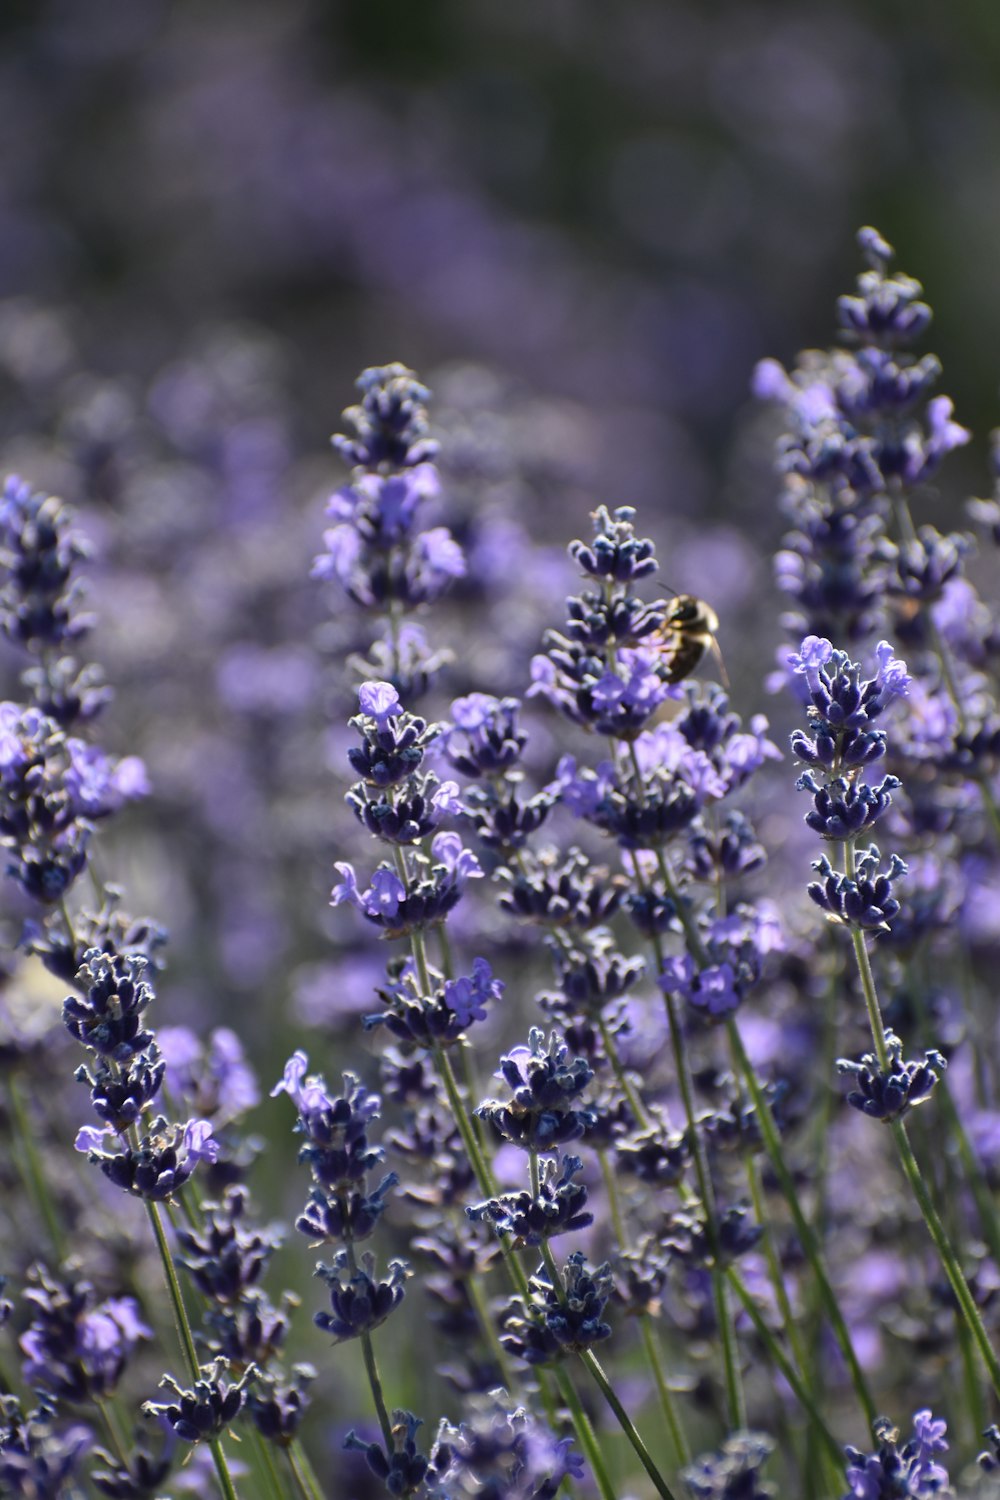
<point x="772" y="1144"/>
<point x="677" y="1435"/>
<point x="302" y="1469"/>
<point x="264" y="1464"/>
<point x="187" y="1339"/>
<point x="948" y="1258"/>
<point x="305" y="1479"/>
<point x="35" y="1180"/>
<point x="642" y="1453"/>
<point x="727" y="1332"/>
<point x="585" y="1433"/>
<point x="592" y="1365"/>
<point x="914" y="1176"/>
<point x="785" y="1365"/>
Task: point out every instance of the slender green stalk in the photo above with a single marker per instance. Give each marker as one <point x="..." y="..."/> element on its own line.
<point x="305" y="1480"/>
<point x="787" y="1368"/>
<point x="303" y="1471"/>
<point x="772" y="1144"/>
<point x="34" y="1174"/>
<point x="731" y="1367"/>
<point x="187" y="1340"/>
<point x="264" y="1464"/>
<point x="585" y="1433"/>
<point x="607" y="1390"/>
<point x="119" y="1446"/>
<point x="590" y="1361"/>
<point x="681" y="1450"/>
<point x="678" y="1437"/>
<point x="914" y="1176"/>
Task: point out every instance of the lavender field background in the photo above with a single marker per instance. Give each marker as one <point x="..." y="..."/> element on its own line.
<point x="583" y="226"/>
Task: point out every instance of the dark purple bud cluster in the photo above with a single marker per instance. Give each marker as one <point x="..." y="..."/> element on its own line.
<point x="643" y="815"/>
<point x="205" y="1411"/>
<point x="388" y="428"/>
<point x="277" y="1406"/>
<point x="730" y="963"/>
<point x="159" y="1163"/>
<point x="989" y="1460"/>
<point x="546" y="1083"/>
<point x="844" y="809"/>
<point x="558" y="1320"/>
<point x="734" y="1472"/>
<point x="503" y="820"/>
<point x="43" y="829"/>
<point x="338" y="1152"/>
<point x="441" y="1018"/>
<point x="593" y="975"/>
<point x="396" y="802"/>
<point x="616" y="554"/>
<point x="687" y="1237"/>
<point x="864" y="899"/>
<point x="359" y="1300"/>
<point x="431" y="1139"/>
<point x="894" y="1469"/>
<point x="842" y="705"/>
<point x="402" y="1471"/>
<point x="502" y="1451"/>
<point x="225" y="1255"/>
<point x="887" y="308"/>
<point x="39" y="601"/>
<point x="107" y="1016"/>
<point x="342" y="1208"/>
<point x="863" y="428"/>
<point x="120" y="1092"/>
<point x="529" y="1218"/>
<point x="887" y="1093"/>
<point x="655" y="1155"/>
<point x="609" y="671"/>
<point x="432" y="890"/>
<point x="725" y="852"/>
<point x="377" y="549"/>
<point x="37" y="1458"/>
<point x="394" y="742"/>
<point x="563" y="891"/>
<point x="141" y="1475"/>
<point x="921" y="566"/>
<point x="483" y="738"/>
<point x="76" y="1348"/>
<point x="640" y="1276"/>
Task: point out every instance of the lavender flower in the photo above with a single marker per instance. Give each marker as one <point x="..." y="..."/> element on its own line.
<point x="895" y="1469"/>
<point x="207" y="1409"/>
<point x="887" y="1093"/>
<point x="554" y="1321"/>
<point x="544" y="1110"/>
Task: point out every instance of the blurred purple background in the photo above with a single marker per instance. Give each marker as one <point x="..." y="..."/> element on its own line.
<point x="582" y="223"/>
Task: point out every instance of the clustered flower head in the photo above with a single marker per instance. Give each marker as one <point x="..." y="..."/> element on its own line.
<point x="897" y="1469"/>
<point x="343" y="1209"/>
<point x="734" y="1472"/>
<point x="842" y="706"/>
<point x="555" y="1320"/>
<point x="545" y="1109"/>
<point x="380" y="549"/>
<point x="886" y="1093"/>
<point x="107" y="1017"/>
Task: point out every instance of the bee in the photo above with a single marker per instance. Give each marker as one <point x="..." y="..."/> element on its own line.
<point x="686" y="635"/>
